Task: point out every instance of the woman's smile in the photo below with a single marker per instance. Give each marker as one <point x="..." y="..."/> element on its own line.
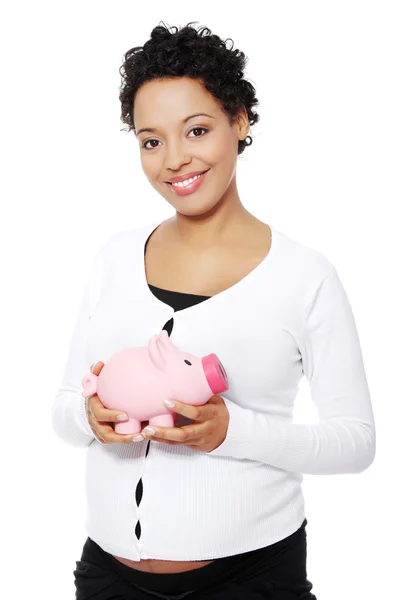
<point x="184" y="188"/>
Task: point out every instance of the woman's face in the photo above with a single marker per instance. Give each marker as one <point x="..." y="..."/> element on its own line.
<point x="178" y="145"/>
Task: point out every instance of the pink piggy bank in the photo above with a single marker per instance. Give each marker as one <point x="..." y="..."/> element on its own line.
<point x="138" y="380"/>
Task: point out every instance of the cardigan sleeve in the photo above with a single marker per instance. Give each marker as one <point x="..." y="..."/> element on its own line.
<point x="68" y="412"/>
<point x="343" y="440"/>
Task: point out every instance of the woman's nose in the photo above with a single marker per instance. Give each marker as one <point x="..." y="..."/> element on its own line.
<point x="176" y="157"/>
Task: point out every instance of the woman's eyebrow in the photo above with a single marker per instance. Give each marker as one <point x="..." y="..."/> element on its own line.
<point x="152" y="130"/>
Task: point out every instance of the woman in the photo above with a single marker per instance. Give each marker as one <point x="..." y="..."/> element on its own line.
<point x="211" y="508"/>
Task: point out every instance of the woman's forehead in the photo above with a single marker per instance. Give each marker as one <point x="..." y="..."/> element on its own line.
<point x="176" y="99"/>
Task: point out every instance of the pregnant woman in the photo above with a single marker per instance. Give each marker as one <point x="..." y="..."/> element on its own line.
<point x="212" y="508"/>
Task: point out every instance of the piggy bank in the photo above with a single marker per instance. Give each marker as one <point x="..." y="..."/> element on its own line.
<point x="137" y="380"/>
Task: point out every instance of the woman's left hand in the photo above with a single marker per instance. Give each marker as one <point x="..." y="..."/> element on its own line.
<point x="205" y="434"/>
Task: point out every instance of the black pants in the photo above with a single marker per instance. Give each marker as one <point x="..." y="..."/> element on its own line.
<point x="276" y="572"/>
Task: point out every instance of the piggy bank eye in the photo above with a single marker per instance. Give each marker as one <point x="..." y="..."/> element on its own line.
<point x="188" y="362"/>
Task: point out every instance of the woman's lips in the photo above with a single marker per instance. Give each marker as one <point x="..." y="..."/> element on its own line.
<point x="188" y="189"/>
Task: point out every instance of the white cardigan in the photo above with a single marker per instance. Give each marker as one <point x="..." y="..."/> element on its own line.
<point x="288" y="318"/>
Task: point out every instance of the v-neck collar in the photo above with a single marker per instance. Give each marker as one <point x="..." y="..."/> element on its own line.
<point x="216" y="298"/>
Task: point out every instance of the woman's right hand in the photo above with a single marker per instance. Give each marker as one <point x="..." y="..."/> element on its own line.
<point x="101" y="418"/>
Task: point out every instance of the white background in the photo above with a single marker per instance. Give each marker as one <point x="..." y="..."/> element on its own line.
<point x="323" y="168"/>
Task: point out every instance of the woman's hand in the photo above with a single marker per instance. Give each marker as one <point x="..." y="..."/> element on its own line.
<point x="101" y="418"/>
<point x="208" y="431"/>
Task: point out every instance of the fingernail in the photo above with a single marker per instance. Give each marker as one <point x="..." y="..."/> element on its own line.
<point x="169" y="403"/>
<point x="149" y="430"/>
<point x="137" y="438"/>
<point x="122" y="417"/>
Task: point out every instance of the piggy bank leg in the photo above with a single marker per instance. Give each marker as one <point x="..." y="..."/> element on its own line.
<point x="131" y="426"/>
<point x="162" y="421"/>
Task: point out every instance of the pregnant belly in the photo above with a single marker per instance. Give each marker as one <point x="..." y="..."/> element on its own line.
<point x="151" y="565"/>
<point x="163" y="566"/>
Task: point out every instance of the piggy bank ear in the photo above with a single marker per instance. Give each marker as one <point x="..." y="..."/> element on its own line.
<point x="166" y="344"/>
<point x="155" y="353"/>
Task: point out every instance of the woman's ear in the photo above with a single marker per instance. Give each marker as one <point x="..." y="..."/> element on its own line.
<point x="243" y="125"/>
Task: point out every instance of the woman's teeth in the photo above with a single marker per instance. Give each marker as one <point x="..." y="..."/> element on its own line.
<point x="186" y="182"/>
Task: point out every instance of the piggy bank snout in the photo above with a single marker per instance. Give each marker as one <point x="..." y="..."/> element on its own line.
<point x="215" y="373"/>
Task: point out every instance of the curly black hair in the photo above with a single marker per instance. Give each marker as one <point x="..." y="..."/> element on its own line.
<point x="192" y="53"/>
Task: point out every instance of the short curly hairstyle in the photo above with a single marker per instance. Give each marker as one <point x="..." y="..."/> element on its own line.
<point x="193" y="53"/>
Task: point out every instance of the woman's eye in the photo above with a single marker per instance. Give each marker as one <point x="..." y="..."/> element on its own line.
<point x="197" y="129"/>
<point x="144" y="145"/>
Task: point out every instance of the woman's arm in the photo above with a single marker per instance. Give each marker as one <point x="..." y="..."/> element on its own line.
<point x="68" y="414"/>
<point x="344" y="439"/>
